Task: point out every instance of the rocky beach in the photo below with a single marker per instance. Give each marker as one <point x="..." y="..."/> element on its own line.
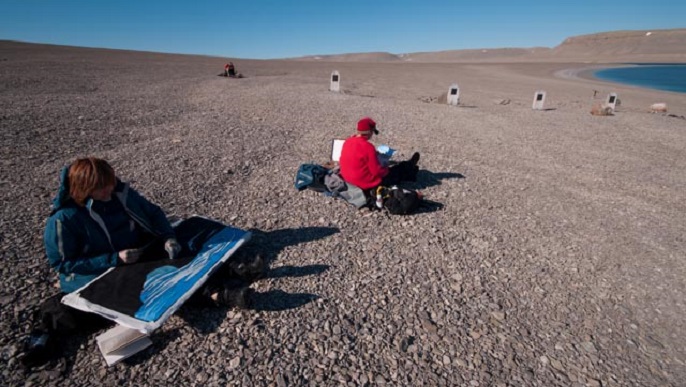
<point x="552" y="254"/>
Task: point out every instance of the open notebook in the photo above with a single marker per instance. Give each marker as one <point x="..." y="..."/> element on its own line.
<point x="121" y="342"/>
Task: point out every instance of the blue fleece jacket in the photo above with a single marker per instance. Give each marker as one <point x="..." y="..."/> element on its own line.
<point x="77" y="241"/>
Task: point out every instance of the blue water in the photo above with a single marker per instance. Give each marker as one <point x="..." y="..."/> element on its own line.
<point x="661" y="77"/>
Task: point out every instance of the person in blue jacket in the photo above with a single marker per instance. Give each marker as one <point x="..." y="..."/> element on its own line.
<point x="98" y="222"/>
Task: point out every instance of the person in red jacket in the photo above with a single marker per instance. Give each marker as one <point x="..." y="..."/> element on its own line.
<point x="360" y="165"/>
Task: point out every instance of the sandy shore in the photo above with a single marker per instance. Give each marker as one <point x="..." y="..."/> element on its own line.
<point x="585" y="72"/>
<point x="556" y="256"/>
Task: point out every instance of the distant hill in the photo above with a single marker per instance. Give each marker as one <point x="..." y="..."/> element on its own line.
<point x="639" y="46"/>
<point x="616" y="46"/>
<point x="361" y="57"/>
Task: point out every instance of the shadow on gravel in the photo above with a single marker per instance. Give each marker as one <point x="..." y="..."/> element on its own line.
<point x="295" y="271"/>
<point x="206" y="320"/>
<point x="427" y="179"/>
<point x="428" y="206"/>
<point x="278" y="300"/>
<point x="270" y="243"/>
<point x="160" y="340"/>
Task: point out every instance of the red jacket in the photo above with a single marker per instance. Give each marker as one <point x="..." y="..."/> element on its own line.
<point x="359" y="163"/>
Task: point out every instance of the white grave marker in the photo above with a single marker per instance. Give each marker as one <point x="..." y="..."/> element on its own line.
<point x="539" y="100"/>
<point x="454" y="95"/>
<point x="335" y="82"/>
<point x="611" y="101"/>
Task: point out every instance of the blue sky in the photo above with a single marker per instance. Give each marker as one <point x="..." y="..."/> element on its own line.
<point x="262" y="29"/>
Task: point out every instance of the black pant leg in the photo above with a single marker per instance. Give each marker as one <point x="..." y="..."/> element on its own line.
<point x="55" y="317"/>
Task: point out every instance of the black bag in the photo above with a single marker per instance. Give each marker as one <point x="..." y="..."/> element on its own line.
<point x="400" y="201"/>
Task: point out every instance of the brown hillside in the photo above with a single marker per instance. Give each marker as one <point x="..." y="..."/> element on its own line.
<point x="618" y="46"/>
<point x="657" y="45"/>
<point x="354" y="57"/>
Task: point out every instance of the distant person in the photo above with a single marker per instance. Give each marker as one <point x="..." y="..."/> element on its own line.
<point x="230" y="71"/>
<point x="99" y="222"/>
<point x="360" y="163"/>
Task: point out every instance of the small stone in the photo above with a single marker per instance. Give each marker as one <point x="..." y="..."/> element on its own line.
<point x="498" y="315"/>
<point x="556" y="364"/>
<point x="235" y="362"/>
<point x="588" y="347"/>
<point x="593" y="383"/>
<point x="544" y="360"/>
<point x="280" y="381"/>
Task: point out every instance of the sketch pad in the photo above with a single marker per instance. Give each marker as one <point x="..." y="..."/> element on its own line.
<point x="336" y="148"/>
<point x="144" y="295"/>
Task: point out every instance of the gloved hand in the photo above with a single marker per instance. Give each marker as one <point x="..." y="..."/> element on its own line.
<point x="130" y="255"/>
<point x="172" y="247"/>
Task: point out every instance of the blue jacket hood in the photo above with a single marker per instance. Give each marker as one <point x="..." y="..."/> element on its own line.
<point x="62" y="196"/>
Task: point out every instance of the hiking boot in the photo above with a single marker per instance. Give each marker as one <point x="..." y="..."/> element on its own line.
<point x="234" y="294"/>
<point x="257" y="268"/>
<point x="250" y="271"/>
<point x="415" y="158"/>
<point x="39" y="349"/>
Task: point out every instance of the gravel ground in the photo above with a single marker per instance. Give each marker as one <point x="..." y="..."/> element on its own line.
<point x="553" y="257"/>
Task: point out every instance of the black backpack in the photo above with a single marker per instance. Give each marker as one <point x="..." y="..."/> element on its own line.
<point x="401" y="201"/>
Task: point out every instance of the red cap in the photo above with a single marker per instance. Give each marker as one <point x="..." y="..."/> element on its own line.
<point x="365" y="125"/>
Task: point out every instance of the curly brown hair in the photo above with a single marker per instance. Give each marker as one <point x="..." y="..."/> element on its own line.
<point x="88" y="174"/>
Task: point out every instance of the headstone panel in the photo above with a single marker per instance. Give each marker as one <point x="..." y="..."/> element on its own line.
<point x="454" y="95"/>
<point x="335" y="82"/>
<point x="539" y="100"/>
<point x="611" y="101"/>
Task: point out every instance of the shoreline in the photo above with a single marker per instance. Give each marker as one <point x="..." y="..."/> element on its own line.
<point x="587" y="73"/>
